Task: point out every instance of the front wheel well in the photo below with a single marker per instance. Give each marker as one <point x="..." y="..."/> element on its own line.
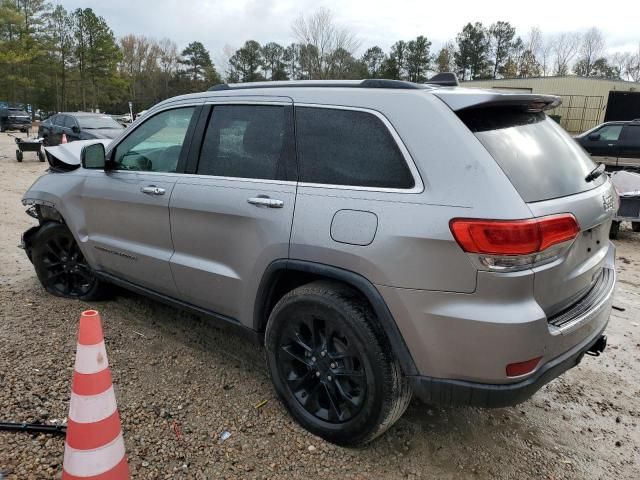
<point x="284" y="276"/>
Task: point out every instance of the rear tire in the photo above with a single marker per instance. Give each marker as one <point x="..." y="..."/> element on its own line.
<point x="19" y="156"/>
<point x="635" y="226"/>
<point x="41" y="156"/>
<point x="615" y="229"/>
<point x="60" y="265"/>
<point x="331" y="367"/>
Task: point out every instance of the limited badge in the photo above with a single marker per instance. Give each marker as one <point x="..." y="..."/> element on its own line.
<point x="607" y="202"/>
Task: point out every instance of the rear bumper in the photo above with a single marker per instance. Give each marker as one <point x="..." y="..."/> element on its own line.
<point x="462" y="343"/>
<point x="458" y="392"/>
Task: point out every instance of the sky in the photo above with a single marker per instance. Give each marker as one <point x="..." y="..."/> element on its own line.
<point x="217" y="23"/>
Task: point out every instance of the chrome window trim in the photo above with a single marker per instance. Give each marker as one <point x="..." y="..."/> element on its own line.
<point x="239" y="101"/>
<point x="418" y="186"/>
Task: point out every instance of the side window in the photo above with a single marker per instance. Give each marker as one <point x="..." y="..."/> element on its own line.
<point x="347" y="147"/>
<point x="58" y="120"/>
<point x="155" y="145"/>
<point x="69" y="122"/>
<point x="631" y="133"/>
<point x="246" y="141"/>
<point x="610" y="133"/>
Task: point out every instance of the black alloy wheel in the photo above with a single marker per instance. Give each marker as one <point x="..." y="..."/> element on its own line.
<point x="331" y="365"/>
<point x="323" y="369"/>
<point x="60" y="265"/>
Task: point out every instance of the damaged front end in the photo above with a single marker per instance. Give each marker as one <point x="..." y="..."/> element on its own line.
<point x="43" y="212"/>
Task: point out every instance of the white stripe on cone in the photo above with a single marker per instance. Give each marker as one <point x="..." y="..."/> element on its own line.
<point x="91" y="358"/>
<point x="92" y="408"/>
<point x="88" y="463"/>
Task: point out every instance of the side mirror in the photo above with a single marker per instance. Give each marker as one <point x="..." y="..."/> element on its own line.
<point x="93" y="156"/>
<point x="75" y="129"/>
<point x="594" y="136"/>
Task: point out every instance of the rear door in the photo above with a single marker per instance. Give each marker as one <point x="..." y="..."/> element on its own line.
<point x="630" y="146"/>
<point x="69" y="123"/>
<point x="127" y="206"/>
<point x="56" y="129"/>
<point x="231" y="217"/>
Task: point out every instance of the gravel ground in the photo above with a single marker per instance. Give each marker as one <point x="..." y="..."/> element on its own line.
<point x="180" y="383"/>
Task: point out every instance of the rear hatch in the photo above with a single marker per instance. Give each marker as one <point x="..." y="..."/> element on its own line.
<point x="549" y="171"/>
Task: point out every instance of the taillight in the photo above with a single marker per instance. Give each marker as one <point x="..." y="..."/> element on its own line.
<point x="511" y="244"/>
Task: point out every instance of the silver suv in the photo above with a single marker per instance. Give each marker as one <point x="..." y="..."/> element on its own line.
<point x="380" y="238"/>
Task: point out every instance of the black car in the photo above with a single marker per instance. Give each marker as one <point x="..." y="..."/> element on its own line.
<point x="78" y="126"/>
<point x="14" y="119"/>
<point x="615" y="144"/>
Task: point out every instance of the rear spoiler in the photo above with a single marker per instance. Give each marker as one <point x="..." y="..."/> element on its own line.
<point x="465" y="99"/>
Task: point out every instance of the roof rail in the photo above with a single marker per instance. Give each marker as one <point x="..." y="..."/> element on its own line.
<point x="444" y="79"/>
<point x="368" y="83"/>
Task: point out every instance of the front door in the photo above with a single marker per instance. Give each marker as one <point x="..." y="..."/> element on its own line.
<point x="603" y="144"/>
<point x="232" y="216"/>
<point x="127" y="206"/>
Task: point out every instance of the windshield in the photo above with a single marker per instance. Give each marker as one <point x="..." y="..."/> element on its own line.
<point x="17" y="113"/>
<point x="539" y="157"/>
<point x="89" y="123"/>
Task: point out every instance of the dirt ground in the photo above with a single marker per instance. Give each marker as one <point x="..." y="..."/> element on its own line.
<point x="180" y="383"/>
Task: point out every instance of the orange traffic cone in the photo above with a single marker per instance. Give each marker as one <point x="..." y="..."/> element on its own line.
<point x="94" y="448"/>
<point x="64" y="139"/>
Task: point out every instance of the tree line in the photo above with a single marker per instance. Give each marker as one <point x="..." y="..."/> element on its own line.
<point x="61" y="60"/>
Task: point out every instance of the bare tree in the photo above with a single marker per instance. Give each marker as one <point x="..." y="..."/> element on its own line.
<point x="632" y="67"/>
<point x="619" y="61"/>
<point x="168" y="61"/>
<point x="541" y="46"/>
<point x="222" y="61"/>
<point x="565" y="46"/>
<point x="591" y="49"/>
<point x="322" y="37"/>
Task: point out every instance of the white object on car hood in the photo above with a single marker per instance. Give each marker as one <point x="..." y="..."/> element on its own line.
<point x="626" y="183"/>
<point x="69" y="153"/>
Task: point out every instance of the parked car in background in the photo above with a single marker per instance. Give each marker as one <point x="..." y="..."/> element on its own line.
<point x="14" y="119"/>
<point x="78" y="126"/>
<point x="615" y="144"/>
<point x="445" y="242"/>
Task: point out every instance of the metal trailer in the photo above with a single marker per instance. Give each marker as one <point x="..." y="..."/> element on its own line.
<point x="29" y="145"/>
<point x="628" y="186"/>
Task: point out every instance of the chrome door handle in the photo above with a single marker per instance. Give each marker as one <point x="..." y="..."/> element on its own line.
<point x="266" y="202"/>
<point x="153" y="190"/>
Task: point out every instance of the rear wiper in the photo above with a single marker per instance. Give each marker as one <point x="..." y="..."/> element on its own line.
<point x="595" y="173"/>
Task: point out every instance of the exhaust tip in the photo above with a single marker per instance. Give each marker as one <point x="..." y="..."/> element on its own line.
<point x="598" y="346"/>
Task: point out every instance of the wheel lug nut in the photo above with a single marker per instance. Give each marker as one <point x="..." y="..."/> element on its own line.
<point x="333" y="365"/>
<point x="323" y="353"/>
<point x="329" y="377"/>
<point x="313" y="359"/>
<point x="317" y="374"/>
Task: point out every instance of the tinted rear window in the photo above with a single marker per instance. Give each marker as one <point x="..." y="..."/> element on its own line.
<point x="348" y="147"/>
<point x="539" y="157"/>
<point x="631" y="132"/>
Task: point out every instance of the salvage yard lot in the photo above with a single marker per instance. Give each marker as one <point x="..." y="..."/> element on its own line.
<point x="180" y="382"/>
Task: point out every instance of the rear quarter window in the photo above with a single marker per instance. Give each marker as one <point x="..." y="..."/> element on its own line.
<point x="541" y="160"/>
<point x="348" y="147"/>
